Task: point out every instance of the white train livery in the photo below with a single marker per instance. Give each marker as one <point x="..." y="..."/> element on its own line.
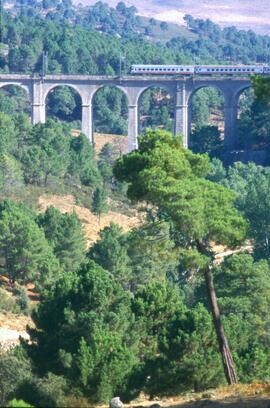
<point x="200" y="69"/>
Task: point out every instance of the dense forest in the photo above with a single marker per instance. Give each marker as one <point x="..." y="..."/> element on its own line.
<point x="152" y="309"/>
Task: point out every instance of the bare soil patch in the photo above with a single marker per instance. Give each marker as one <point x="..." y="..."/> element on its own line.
<point x="120" y="142"/>
<point x="92" y="225"/>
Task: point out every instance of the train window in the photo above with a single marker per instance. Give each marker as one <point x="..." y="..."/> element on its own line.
<point x="230" y="69"/>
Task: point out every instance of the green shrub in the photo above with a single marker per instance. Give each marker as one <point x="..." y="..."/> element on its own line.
<point x="44" y="392"/>
<point x="22" y="298"/>
<point x="14" y="371"/>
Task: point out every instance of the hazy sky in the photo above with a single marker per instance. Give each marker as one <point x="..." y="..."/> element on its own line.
<point x="247" y="14"/>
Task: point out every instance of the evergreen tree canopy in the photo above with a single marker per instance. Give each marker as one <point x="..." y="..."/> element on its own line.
<point x="82" y="161"/>
<point x="48" y="153"/>
<point x="26" y="253"/>
<point x="100" y="201"/>
<point x="173" y="179"/>
<point x="84" y="330"/>
<point x="110" y="252"/>
<point x="65" y="234"/>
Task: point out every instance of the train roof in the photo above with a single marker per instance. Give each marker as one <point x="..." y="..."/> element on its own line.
<point x="201" y="65"/>
<point x="229" y="66"/>
<point x="159" y="65"/>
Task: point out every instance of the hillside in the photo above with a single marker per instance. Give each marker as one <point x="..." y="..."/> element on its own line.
<point x="246" y="14"/>
<point x="91" y="223"/>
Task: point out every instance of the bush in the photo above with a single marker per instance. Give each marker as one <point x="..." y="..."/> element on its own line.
<point x="14" y="371"/>
<point x="22" y="298"/>
<point x="7" y="303"/>
<point x="45" y="392"/>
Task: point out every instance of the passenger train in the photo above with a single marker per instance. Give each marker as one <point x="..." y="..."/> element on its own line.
<point x="200" y="69"/>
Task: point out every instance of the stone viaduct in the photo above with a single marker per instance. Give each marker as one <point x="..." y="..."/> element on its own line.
<point x="182" y="89"/>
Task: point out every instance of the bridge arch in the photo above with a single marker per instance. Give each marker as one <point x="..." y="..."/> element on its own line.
<point x="50" y="87"/>
<point x="246" y="117"/>
<point x="110" y="107"/>
<point x="240" y="91"/>
<point x="158" y="84"/>
<point x="197" y="88"/>
<point x="19" y="98"/>
<point x="156" y="107"/>
<point x="206" y="117"/>
<point x="26" y="88"/>
<point x="109" y="85"/>
<point x="64" y="102"/>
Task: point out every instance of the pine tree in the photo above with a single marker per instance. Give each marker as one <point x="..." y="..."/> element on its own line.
<point x="110" y="252"/>
<point x="66" y="236"/>
<point x="26" y="253"/>
<point x="100" y="202"/>
<point x="172" y="179"/>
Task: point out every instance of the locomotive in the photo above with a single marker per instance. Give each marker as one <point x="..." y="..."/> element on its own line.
<point x="200" y="69"/>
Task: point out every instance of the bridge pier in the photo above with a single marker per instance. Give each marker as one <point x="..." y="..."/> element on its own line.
<point x="133" y="127"/>
<point x="87" y="121"/>
<point x="181" y="114"/>
<point x="38" y="114"/>
<point x="230" y="123"/>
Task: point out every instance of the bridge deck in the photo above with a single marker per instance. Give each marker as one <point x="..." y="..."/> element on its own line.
<point x="126" y="78"/>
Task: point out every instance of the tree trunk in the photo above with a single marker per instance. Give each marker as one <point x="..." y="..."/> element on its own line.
<point x="224" y="348"/>
<point x="227" y="360"/>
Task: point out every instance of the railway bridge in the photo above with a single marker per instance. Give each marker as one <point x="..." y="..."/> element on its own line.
<point x="181" y="88"/>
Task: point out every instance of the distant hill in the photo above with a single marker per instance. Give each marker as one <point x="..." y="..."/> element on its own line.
<point x="244" y="14"/>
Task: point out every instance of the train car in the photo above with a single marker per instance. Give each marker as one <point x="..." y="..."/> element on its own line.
<point x="163" y="69"/>
<point x="229" y="69"/>
<point x="266" y="70"/>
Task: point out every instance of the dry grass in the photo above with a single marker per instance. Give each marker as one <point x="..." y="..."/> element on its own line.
<point x="92" y="226"/>
<point x="120" y="142"/>
<point x="255" y="395"/>
<point x="14" y="322"/>
<point x="100" y="139"/>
